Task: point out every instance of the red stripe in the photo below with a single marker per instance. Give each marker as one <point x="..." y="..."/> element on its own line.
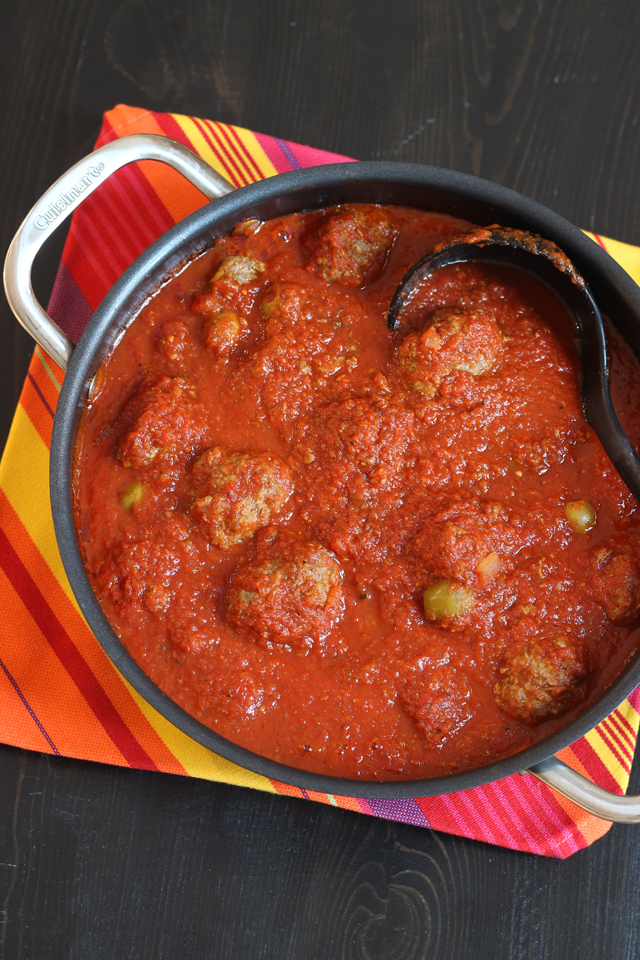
<point x="172" y="129"/>
<point x="209" y="130"/>
<point x="71" y="658"/>
<point x="140" y="190"/>
<point x="595" y="766"/>
<point x="238" y="149"/>
<point x="620" y="736"/>
<point x="220" y="131"/>
<point x="599" y="239"/>
<point x="605" y="735"/>
<point x="232" y="132"/>
<point x="626" y="728"/>
<point x="235" y="175"/>
<point x="550" y="822"/>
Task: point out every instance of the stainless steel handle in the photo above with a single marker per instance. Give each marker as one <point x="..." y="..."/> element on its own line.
<point x="60" y="201"/>
<point x="593" y="799"/>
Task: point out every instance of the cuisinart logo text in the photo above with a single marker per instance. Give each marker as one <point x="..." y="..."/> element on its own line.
<point x="56" y="207"/>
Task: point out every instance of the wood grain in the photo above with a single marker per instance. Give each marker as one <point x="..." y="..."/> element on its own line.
<point x="539" y="95"/>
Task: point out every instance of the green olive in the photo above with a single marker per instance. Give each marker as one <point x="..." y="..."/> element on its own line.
<point x="580" y="515"/>
<point x="447" y="599"/>
<point x="271" y="303"/>
<point x="133" y="494"/>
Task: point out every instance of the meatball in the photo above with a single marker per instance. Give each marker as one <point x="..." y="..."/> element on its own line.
<point x="540" y="679"/>
<point x="351" y="247"/>
<point x="468" y="542"/>
<point x="233" y="287"/>
<point x="438" y="701"/>
<point x="615" y="578"/>
<point x="158" y="421"/>
<point x="353" y="455"/>
<point x="224" y="331"/>
<point x="176" y="342"/>
<point x="237" y="493"/>
<point x="465" y="340"/>
<point x="288" y="593"/>
<point x="239" y="269"/>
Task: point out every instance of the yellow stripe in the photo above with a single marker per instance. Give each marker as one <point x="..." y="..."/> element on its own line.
<point x="609" y="759"/>
<point x="41" y="357"/>
<point x="630" y="714"/>
<point x="196" y="759"/>
<point x="25" y="484"/>
<point x="24" y="477"/>
<point x="247" y="138"/>
<point x="250" y="141"/>
<point x="623" y="253"/>
<point x="201" y="146"/>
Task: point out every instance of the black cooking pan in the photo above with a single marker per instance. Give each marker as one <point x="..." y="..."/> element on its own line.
<point x="430" y="188"/>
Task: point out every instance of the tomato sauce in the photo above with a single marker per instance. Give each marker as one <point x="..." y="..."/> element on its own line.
<point x="371" y="554"/>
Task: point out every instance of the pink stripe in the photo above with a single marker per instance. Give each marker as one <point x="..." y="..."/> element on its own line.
<point x="524" y="839"/>
<point x="570" y="832"/>
<point x="496" y="795"/>
<point x="519" y="796"/>
<point x="634" y="699"/>
<point x="495" y="836"/>
<point x="447" y="801"/>
<point x="275" y="155"/>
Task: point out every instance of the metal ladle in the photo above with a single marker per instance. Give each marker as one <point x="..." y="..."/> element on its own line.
<point x="542" y="259"/>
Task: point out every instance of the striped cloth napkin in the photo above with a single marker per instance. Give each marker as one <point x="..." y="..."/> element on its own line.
<point x="59" y="693"/>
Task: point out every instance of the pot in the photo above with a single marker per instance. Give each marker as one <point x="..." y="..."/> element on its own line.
<point x="372" y="182"/>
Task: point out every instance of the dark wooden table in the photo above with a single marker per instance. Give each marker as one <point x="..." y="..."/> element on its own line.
<point x="540" y="95"/>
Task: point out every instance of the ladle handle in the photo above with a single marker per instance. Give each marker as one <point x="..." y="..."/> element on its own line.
<point x="595" y="800"/>
<point x="59" y="202"/>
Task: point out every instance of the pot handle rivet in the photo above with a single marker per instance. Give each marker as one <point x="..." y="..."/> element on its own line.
<point x="59" y="202"/>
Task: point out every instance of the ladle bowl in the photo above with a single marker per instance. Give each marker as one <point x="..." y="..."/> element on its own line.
<point x="544" y="260"/>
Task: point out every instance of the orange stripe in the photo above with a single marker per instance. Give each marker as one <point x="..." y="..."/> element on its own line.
<point x="42" y="378"/>
<point x="348" y="803"/>
<point x="286" y="789"/>
<point x="568" y="756"/>
<point x="318" y="797"/>
<point x="76" y="628"/>
<point x="178" y="195"/>
<point x="37" y="412"/>
<point x="38" y="672"/>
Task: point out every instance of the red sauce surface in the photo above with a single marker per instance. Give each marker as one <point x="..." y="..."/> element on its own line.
<point x="269" y="483"/>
